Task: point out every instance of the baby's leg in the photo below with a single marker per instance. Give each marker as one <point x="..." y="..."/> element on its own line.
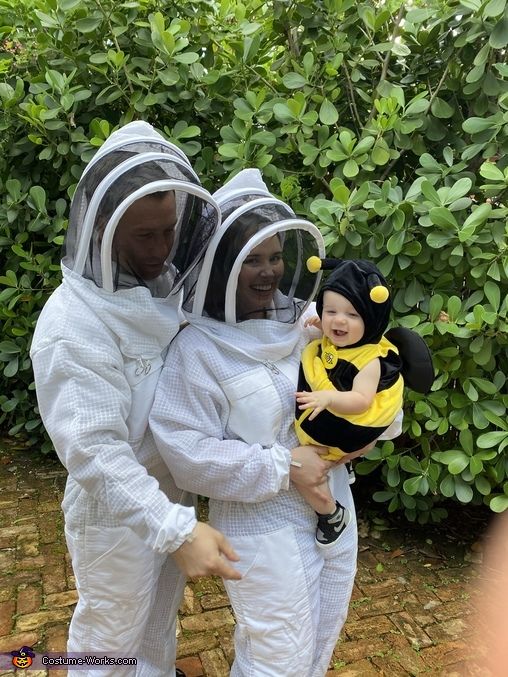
<point x="333" y="518"/>
<point x="319" y="498"/>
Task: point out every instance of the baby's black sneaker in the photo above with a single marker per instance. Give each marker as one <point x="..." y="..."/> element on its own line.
<point x="330" y="527"/>
<point x="350" y="473"/>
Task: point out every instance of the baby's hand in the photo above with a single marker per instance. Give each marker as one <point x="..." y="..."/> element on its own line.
<point x="313" y="321"/>
<point x="317" y="400"/>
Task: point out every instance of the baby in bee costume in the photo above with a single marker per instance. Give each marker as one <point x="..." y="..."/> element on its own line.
<point x="350" y="385"/>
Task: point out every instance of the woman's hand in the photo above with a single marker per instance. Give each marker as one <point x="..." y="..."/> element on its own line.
<point x="204" y="555"/>
<point x="310" y="471"/>
<point x="307" y="466"/>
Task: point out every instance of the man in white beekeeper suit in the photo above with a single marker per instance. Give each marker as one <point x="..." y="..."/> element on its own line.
<point x="138" y="228"/>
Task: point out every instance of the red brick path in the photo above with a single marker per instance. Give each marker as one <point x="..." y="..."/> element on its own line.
<point x="407" y="617"/>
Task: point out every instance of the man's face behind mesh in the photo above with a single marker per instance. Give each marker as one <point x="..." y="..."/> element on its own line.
<point x="144" y="235"/>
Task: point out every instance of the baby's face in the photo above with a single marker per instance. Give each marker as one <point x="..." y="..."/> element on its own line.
<point x="340" y="321"/>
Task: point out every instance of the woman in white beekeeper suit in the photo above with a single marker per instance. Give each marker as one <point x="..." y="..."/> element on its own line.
<point x="138" y="228"/>
<point x="224" y="422"/>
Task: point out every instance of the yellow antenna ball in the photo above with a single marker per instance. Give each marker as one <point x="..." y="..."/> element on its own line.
<point x="314" y="264"/>
<point x="379" y="294"/>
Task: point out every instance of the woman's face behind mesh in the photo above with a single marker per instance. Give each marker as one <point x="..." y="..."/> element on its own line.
<point x="144" y="235"/>
<point x="259" y="279"/>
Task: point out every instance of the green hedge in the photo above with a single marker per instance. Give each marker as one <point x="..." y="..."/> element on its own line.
<point x="386" y="124"/>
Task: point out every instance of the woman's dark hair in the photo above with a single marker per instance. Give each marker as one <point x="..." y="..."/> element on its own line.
<point x="228" y="249"/>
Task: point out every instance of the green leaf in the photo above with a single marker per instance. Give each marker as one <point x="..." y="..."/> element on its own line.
<point x="412" y="485"/>
<point x="463" y="491"/>
<point x="340" y="193"/>
<point x="264" y="138"/>
<point x="430" y="192"/>
<point x="67" y="5"/>
<point x="230" y="150"/>
<point x="346" y="139"/>
<point x="364" y="145"/>
<point x="13" y="187"/>
<point x="38" y="195"/>
<point x="476" y="125"/>
<point x="493" y="294"/>
<point x="458" y="464"/>
<point x="47" y="20"/>
<point x="494" y="8"/>
<point x="435" y="306"/>
<point x="283" y="113"/>
<point x="350" y="169"/>
<point x="294" y="80"/>
<point x="9" y="347"/>
<point x="491" y="439"/>
<point x="499" y="503"/>
<point x="309" y="118"/>
<point x="186" y="57"/>
<point x="479" y="215"/>
<point x="483" y="485"/>
<point x="308" y="63"/>
<point x="182" y="131"/>
<point x="447" y="486"/>
<point x="411" y="465"/>
<point x="168" y="76"/>
<point x="328" y="114"/>
<point x="88" y="25"/>
<point x="441" y="109"/>
<point x="443" y="217"/>
<point x="491" y="172"/>
<point x="393" y="477"/>
<point x="459" y="189"/>
<point x="382" y="496"/>
<point x="484" y="385"/>
<point x="380" y="156"/>
<point x="396" y="242"/>
<point x="6" y="92"/>
<point x="12" y="368"/>
<point x="499" y="36"/>
<point x="416" y="107"/>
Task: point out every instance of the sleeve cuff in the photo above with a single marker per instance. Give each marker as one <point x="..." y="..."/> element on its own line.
<point x="281" y="460"/>
<point x="394" y="429"/>
<point x="177" y="526"/>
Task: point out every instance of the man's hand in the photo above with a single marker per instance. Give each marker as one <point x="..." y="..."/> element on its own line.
<point x="319" y="400"/>
<point x="204" y="555"/>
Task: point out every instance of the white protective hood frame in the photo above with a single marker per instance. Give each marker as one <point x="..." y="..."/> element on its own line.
<point x="150" y="188"/>
<point x="268" y="231"/>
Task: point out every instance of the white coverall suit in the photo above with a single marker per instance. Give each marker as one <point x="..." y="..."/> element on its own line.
<point x="224" y="421"/>
<point x="97" y="353"/>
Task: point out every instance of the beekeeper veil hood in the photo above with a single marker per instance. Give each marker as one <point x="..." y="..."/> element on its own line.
<point x="254" y="278"/>
<point x="139" y="217"/>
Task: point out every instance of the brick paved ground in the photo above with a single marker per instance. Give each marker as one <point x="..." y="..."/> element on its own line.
<point x="408" y="614"/>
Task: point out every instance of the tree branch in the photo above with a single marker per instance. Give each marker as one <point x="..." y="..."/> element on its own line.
<point x="386" y="60"/>
<point x="352" y="103"/>
<point x="439" y="85"/>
